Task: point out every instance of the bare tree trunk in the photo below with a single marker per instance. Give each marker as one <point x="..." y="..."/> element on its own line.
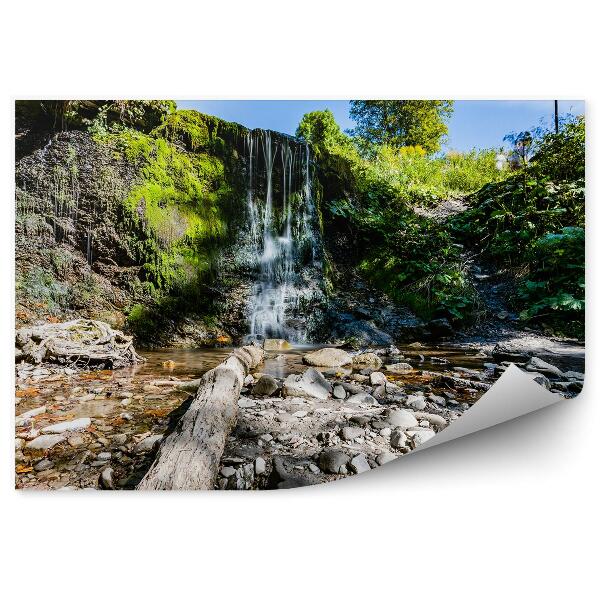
<point x="188" y="459"/>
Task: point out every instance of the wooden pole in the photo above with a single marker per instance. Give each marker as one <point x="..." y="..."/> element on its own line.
<point x="556" y="116"/>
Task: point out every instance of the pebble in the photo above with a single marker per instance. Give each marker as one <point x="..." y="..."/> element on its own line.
<point x="399" y="368"/>
<point x="360" y="420"/>
<point x="398" y="439"/>
<point x="24" y="417"/>
<point x="360" y="378"/>
<point x="300" y="414"/>
<point x="43" y="465"/>
<point x="246" y="403"/>
<point x="104" y="456"/>
<point x="260" y="466"/>
<point x="106" y="479"/>
<point x="436" y="420"/>
<point x="19" y="443"/>
<point x="378" y="378"/>
<point x="359" y="464"/>
<point x="384" y="457"/>
<point x="265" y="386"/>
<point x="75" y="425"/>
<point x="333" y="461"/>
<point x="416" y="401"/>
<point x="350" y="433"/>
<point x="227" y="471"/>
<point x="401" y="418"/>
<point x="437" y="399"/>
<point x="339" y="392"/>
<point x="147" y="444"/>
<point x="45" y="442"/>
<point x="420" y="437"/>
<point x="76" y="440"/>
<point x="362" y="398"/>
<point x="119" y="439"/>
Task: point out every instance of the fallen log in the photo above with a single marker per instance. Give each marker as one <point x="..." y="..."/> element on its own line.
<point x="188" y="458"/>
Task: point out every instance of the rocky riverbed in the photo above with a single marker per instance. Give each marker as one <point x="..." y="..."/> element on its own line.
<point x="305" y="417"/>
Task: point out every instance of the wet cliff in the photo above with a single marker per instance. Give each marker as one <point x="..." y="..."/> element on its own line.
<point x="182" y="228"/>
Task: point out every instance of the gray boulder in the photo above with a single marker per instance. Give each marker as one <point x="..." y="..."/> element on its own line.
<point x="328" y="357"/>
<point x="367" y="359"/>
<point x="266" y="386"/>
<point x="401" y="418"/>
<point x="359" y="464"/>
<point x="332" y="461"/>
<point x="398" y="439"/>
<point x="384" y="457"/>
<point x="537" y="364"/>
<point x="147" y="444"/>
<point x="378" y="378"/>
<point x="351" y="433"/>
<point x="362" y="398"/>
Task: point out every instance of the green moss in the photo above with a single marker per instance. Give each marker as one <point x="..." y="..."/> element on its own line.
<point x="177" y="206"/>
<point x="199" y="132"/>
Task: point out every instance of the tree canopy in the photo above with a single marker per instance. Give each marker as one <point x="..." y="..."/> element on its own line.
<point x="402" y="122"/>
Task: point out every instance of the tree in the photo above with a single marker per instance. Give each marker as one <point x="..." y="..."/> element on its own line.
<point x="400" y="123"/>
<point x="320" y="129"/>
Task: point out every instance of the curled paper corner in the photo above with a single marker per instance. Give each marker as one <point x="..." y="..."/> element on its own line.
<point x="513" y="395"/>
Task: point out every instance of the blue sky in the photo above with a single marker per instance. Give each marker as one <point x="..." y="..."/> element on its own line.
<point x="474" y="124"/>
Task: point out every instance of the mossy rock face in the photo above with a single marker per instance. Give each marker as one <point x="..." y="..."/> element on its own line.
<point x="148" y="202"/>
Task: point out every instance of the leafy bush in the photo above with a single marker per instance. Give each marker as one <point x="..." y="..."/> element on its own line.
<point x="534" y="220"/>
<point x="554" y="288"/>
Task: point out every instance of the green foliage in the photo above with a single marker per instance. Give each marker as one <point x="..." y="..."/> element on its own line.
<point x="533" y="221"/>
<point x="40" y="286"/>
<point x="321" y="130"/>
<point x="400" y="123"/>
<point x="410" y="257"/>
<point x="554" y="288"/>
<point x="413" y="176"/>
<point x="142" y="322"/>
<point x="561" y="156"/>
<point x="419" y="266"/>
<point x="96" y="115"/>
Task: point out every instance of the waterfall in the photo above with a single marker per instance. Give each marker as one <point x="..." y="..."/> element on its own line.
<point x="282" y="230"/>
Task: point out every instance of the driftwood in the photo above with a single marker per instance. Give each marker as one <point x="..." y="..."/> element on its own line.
<point x="81" y="343"/>
<point x="188" y="459"/>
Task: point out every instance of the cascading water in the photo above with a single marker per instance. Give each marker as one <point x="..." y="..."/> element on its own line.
<point x="283" y="234"/>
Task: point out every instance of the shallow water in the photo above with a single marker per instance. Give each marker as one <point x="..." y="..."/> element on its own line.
<point x="192" y="363"/>
<point x="132" y="403"/>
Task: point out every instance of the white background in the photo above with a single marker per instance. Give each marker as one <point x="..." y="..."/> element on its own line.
<point x="507" y="513"/>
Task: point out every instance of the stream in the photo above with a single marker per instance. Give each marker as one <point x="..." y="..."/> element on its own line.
<point x="115" y="418"/>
